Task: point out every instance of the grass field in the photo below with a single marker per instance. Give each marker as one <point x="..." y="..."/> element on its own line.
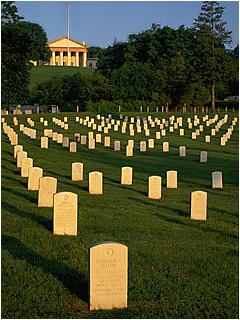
<point x="45" y="73"/>
<point x="178" y="268"/>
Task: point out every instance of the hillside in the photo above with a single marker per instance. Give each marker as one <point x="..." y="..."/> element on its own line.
<point x="44" y="73"/>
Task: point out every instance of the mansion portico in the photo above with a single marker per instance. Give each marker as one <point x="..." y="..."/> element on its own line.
<point x="68" y="52"/>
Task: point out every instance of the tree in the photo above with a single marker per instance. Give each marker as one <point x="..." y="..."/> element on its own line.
<point x="212" y="35"/>
<point x="9" y="12"/>
<point x="21" y="41"/>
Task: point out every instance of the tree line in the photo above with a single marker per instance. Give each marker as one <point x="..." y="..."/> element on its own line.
<point x="159" y="66"/>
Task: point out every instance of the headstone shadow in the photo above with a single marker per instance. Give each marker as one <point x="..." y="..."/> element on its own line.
<point x="72" y="280"/>
<point x="45" y="222"/>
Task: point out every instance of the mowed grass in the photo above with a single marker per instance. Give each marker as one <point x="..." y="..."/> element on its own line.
<point x="178" y="268"/>
<point x="41" y="74"/>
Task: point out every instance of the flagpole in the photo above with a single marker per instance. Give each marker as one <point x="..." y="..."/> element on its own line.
<point x="68" y="27"/>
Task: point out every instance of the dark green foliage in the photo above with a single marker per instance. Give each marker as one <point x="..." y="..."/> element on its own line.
<point x="21" y="41"/>
<point x="71" y="90"/>
<point x="9" y="12"/>
<point x="212" y="35"/>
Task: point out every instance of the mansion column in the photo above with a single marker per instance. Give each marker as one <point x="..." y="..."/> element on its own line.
<point x="53" y="58"/>
<point x="84" y="59"/>
<point x="61" y="58"/>
<point x="77" y="59"/>
<point x="69" y="58"/>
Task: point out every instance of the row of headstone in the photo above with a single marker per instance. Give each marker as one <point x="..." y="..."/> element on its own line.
<point x="64" y="203"/>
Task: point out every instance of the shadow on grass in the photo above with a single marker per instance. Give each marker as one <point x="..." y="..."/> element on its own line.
<point x="72" y="280"/>
<point x="17" y="193"/>
<point x="157" y="204"/>
<point x="45" y="222"/>
<point x="15" y="171"/>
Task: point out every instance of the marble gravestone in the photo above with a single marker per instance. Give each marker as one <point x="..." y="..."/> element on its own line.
<point x="199" y="205"/>
<point x="65" y="142"/>
<point x="47" y="188"/>
<point x="182" y="151"/>
<point x="65" y="205"/>
<point x="172" y="179"/>
<point x="83" y="139"/>
<point x="129" y="151"/>
<point x="27" y="163"/>
<point x="107" y="141"/>
<point x="73" y="147"/>
<point x="108" y="276"/>
<point x="95" y="182"/>
<point x="117" y="145"/>
<point x="154" y="187"/>
<point x="35" y="173"/>
<point x="203" y="156"/>
<point x="20" y="156"/>
<point x="151" y="143"/>
<point x="77" y="171"/>
<point x="165" y="146"/>
<point x="44" y="142"/>
<point x="143" y="146"/>
<point x="217" y="181"/>
<point x="16" y="149"/>
<point x="126" y="175"/>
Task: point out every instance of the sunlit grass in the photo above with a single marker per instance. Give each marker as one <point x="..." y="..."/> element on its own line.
<point x="178" y="268"/>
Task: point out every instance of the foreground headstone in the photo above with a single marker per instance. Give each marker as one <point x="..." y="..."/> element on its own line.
<point x="47" y="188"/>
<point x="95" y="182"/>
<point x="203" y="156"/>
<point x="108" y="276"/>
<point x="172" y="179"/>
<point x="35" y="173"/>
<point x="126" y="175"/>
<point x="77" y="171"/>
<point x="154" y="187"/>
<point x="27" y="163"/>
<point x="217" y="181"/>
<point x="199" y="205"/>
<point x="65" y="206"/>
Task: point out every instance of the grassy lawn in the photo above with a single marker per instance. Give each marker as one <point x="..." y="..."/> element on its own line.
<point x="178" y="268"/>
<point x="45" y="73"/>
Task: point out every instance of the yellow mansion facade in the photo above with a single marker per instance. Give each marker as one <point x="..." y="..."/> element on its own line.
<point x="68" y="52"/>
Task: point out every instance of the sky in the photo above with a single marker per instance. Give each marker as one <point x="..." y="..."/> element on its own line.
<point x="99" y="23"/>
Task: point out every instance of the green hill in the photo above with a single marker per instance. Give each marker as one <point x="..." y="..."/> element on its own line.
<point x="44" y="73"/>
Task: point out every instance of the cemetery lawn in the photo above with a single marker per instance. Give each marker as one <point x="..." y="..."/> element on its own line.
<point x="41" y="74"/>
<point x="178" y="268"/>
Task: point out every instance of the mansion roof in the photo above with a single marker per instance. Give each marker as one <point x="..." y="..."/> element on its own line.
<point x="64" y="42"/>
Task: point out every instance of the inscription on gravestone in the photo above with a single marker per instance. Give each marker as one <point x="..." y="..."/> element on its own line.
<point x="35" y="173"/>
<point x="199" y="205"/>
<point x="108" y="276"/>
<point x="65" y="213"/>
<point x="47" y="188"/>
